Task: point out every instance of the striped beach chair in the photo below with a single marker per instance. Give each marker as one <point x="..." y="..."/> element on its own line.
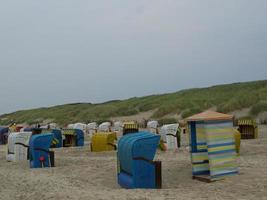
<point x="213" y="149"/>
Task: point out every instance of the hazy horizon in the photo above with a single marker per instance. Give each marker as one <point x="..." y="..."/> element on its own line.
<point x="55" y="53"/>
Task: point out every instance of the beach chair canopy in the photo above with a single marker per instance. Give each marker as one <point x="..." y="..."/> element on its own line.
<point x="80" y="126"/>
<point x="92" y="127"/>
<point x="57" y="137"/>
<point x="104" y="127"/>
<point x="104" y="141"/>
<point x="53" y="125"/>
<point x="130" y="127"/>
<point x="70" y="126"/>
<point x="212" y="142"/>
<point x="152" y="124"/>
<point x="118" y="126"/>
<point x="135" y="161"/>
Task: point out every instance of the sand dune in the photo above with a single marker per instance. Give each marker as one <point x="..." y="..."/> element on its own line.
<point x="80" y="174"/>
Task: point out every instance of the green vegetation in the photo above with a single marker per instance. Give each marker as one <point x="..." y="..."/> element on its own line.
<point x="225" y="98"/>
<point x="258" y="108"/>
<point x="167" y="121"/>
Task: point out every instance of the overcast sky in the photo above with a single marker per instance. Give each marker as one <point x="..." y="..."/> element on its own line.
<point x="61" y="51"/>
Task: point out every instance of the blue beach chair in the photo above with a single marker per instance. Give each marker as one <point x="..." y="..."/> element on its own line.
<point x="73" y="138"/>
<point x="39" y="154"/>
<point x="136" y="168"/>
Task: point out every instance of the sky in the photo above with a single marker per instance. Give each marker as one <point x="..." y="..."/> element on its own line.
<point x="56" y="52"/>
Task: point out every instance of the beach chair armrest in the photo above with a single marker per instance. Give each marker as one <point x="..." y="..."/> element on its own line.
<point x="113" y="145"/>
<point x="44" y="150"/>
<point x="18" y="143"/>
<point x="172" y="135"/>
<point x="144" y="159"/>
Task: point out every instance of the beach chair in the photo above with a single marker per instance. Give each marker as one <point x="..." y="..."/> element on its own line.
<point x="237" y="140"/>
<point x="11" y="147"/>
<point x="104" y="141"/>
<point x="170" y="135"/>
<point x="80" y="126"/>
<point x="92" y="128"/>
<point x="73" y="137"/>
<point x="104" y="127"/>
<point x="39" y="154"/>
<point x="136" y="168"/>
<point x="118" y="126"/>
<point x="212" y="142"/>
<point x="4" y="135"/>
<point x="18" y="144"/>
<point x="57" y="137"/>
<point x="152" y="126"/>
<point x="130" y="127"/>
<point x="248" y="129"/>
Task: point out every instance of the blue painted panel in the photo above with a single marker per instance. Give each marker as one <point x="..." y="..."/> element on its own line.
<point x="42" y="141"/>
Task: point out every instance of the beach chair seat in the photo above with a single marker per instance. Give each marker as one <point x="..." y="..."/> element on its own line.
<point x="136" y="168"/>
<point x="39" y="154"/>
<point x="104" y="141"/>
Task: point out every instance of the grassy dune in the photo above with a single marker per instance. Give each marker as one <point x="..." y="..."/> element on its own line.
<point x="224" y="98"/>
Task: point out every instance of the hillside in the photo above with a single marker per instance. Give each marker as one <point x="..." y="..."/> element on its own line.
<point x="223" y="98"/>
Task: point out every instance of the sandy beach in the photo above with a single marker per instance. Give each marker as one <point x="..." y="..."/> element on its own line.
<point x="81" y="174"/>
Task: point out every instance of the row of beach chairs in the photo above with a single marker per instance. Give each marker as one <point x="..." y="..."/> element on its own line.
<point x="213" y="149"/>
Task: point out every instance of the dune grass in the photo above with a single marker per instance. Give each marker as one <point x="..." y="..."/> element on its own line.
<point x="225" y="98"/>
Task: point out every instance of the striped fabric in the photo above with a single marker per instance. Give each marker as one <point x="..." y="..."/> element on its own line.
<point x="248" y="122"/>
<point x="221" y="149"/>
<point x="69" y="132"/>
<point x="201" y="137"/>
<point x="130" y="126"/>
<point x="213" y="150"/>
<point x="200" y="163"/>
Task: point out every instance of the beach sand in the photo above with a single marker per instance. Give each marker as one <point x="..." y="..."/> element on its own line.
<point x="81" y="174"/>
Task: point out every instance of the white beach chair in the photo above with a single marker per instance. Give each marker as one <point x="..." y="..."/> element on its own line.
<point x="18" y="146"/>
<point x="169" y="136"/>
